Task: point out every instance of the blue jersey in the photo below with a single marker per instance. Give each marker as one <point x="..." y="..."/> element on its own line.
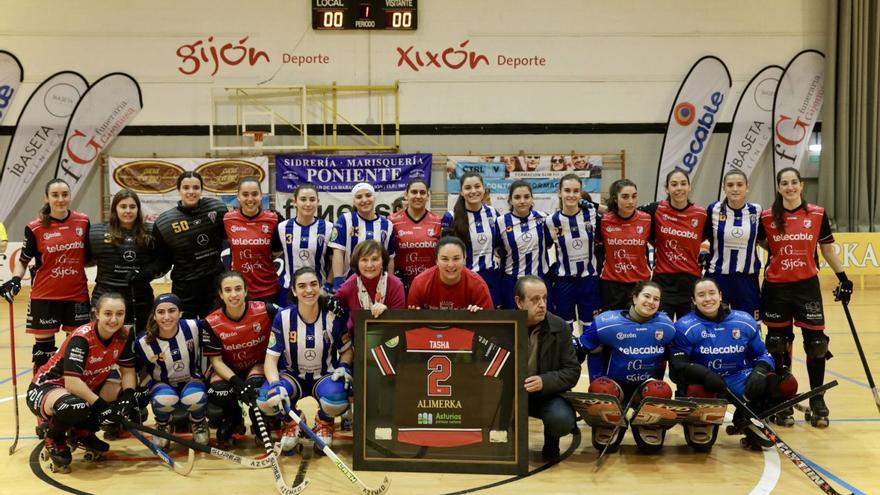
<point x="627" y="351"/>
<point x="575" y="243"/>
<point x="173" y="361"/>
<point x="523" y="243"/>
<point x="726" y="347"/>
<point x="732" y="234"/>
<point x="480" y="254"/>
<point x="308" y="350"/>
<point x="303" y="245"/>
<point x="351" y="228"/>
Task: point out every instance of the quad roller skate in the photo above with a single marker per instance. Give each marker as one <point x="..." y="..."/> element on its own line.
<point x="93" y="447"/>
<point x="57" y="454"/>
<point x="817" y="414"/>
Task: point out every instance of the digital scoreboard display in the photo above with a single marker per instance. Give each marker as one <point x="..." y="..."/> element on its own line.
<point x="330" y="15"/>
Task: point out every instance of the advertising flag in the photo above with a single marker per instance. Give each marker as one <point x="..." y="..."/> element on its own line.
<point x="11" y="75"/>
<point x="796" y="108"/>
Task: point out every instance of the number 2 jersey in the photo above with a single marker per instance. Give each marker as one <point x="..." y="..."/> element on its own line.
<point x="446" y="390"/>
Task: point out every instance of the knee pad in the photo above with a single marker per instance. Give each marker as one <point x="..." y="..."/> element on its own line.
<point x="194" y="397"/>
<point x="654" y="389"/>
<point x="816" y="345"/>
<point x="220" y="394"/>
<point x="70" y="411"/>
<point x="331" y="396"/>
<point x="778" y="342"/>
<point x="164" y="399"/>
<point x="42" y="351"/>
<point x="605" y="385"/>
<point x="787" y="385"/>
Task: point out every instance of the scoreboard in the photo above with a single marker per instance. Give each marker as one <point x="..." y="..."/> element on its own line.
<point x="396" y="15"/>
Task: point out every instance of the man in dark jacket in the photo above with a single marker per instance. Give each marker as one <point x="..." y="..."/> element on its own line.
<point x="552" y="364"/>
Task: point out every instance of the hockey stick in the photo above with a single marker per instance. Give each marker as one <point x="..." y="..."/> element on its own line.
<point x="797" y="399"/>
<point x="14" y="376"/>
<point x="242" y="460"/>
<point x="181" y="469"/>
<point x="783" y="447"/>
<point x="337" y="461"/>
<point x="601" y="459"/>
<point x="855" y="335"/>
<point x="273" y="459"/>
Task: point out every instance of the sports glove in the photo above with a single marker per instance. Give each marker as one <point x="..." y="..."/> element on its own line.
<point x="246" y="392"/>
<point x="756" y="383"/>
<point x="277" y="397"/>
<point x="335" y="306"/>
<point x="126" y="406"/>
<point x="104" y="413"/>
<point x="342" y="372"/>
<point x="10" y="289"/>
<point x="699" y="374"/>
<point x="844" y="289"/>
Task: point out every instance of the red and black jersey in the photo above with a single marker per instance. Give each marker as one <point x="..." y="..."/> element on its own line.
<point x="446" y="394"/>
<point x="625" y="245"/>
<point x="416" y="240"/>
<point x="793" y="255"/>
<point x="60" y="252"/>
<point x="251" y="242"/>
<point x="677" y="235"/>
<point x="86" y="356"/>
<point x="240" y="343"/>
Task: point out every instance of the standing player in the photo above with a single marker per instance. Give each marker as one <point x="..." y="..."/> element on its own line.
<point x="125" y="253"/>
<point x="234" y="338"/>
<point x="58" y="242"/>
<point x="66" y="392"/>
<point x="355" y="226"/>
<point x="623" y="233"/>
<point x="190" y="237"/>
<point x="576" y="283"/>
<point x="416" y="231"/>
<point x="309" y="354"/>
<point x="523" y="240"/>
<point x="677" y="236"/>
<point x="792" y="230"/>
<point x="253" y="237"/>
<point x="473" y="223"/>
<point x="169" y="354"/>
<point x="628" y="350"/>
<point x="303" y="238"/>
<point x="732" y="230"/>
<point x="448" y="284"/>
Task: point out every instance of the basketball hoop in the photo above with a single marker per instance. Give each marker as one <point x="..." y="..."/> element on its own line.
<point x="257" y="137"/>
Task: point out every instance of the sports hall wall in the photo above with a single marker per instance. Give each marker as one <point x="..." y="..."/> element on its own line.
<point x="586" y="75"/>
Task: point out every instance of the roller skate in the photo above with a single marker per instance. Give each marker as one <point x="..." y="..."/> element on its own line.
<point x="86" y="440"/>
<point x="784" y="417"/>
<point x="345" y="421"/>
<point x="200" y="432"/>
<point x="41" y="427"/>
<point x="229" y="427"/>
<point x="290" y="436"/>
<point x="57" y="454"/>
<point x="817" y="414"/>
<point x="324" y="430"/>
<point x="162" y="443"/>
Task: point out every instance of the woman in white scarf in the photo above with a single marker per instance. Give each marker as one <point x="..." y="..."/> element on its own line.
<point x="371" y="286"/>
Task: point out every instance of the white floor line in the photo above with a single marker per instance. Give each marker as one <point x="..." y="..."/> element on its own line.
<point x="7" y="399"/>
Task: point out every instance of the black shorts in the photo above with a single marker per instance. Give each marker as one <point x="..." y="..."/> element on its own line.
<point x="197" y="297"/>
<point x="46" y="317"/>
<point x="676" y="293"/>
<point x="616" y="295"/>
<point x="782" y="302"/>
<point x="36" y="395"/>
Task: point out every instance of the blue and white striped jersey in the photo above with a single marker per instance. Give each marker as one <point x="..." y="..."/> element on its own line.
<point x="732" y="235"/>
<point x="480" y="254"/>
<point x="575" y="242"/>
<point x="303" y="245"/>
<point x="523" y="243"/>
<point x="308" y="350"/>
<point x="173" y="361"/>
<point x="351" y="228"/>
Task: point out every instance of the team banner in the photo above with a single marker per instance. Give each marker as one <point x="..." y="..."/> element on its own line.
<point x="104" y="110"/>
<point x="336" y="175"/>
<point x="542" y="172"/>
<point x="796" y="107"/>
<point x="11" y="75"/>
<point x="692" y="118"/>
<point x="38" y="133"/>
<point x="752" y="126"/>
<point x="155" y="179"/>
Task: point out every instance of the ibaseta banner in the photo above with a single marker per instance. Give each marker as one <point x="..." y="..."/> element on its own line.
<point x="752" y="127"/>
<point x="106" y="108"/>
<point x="11" y="75"/>
<point x="796" y="107"/>
<point x="692" y="118"/>
<point x="38" y="133"/>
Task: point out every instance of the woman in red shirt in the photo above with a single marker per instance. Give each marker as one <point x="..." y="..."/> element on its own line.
<point x="416" y="231"/>
<point x="370" y="287"/>
<point x="449" y="285"/>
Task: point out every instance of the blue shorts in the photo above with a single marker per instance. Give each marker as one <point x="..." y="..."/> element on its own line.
<point x="741" y="291"/>
<point x="581" y="293"/>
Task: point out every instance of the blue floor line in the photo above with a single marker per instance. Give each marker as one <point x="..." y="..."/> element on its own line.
<point x="29" y="370"/>
<point x="832" y="477"/>
<point x="839" y="375"/>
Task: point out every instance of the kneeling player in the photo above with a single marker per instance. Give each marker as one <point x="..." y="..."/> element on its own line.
<point x="67" y="391"/>
<point x="627" y="354"/>
<point x="169" y="353"/>
<point x="309" y="354"/>
<point x="235" y="337"/>
<point x="718" y="349"/>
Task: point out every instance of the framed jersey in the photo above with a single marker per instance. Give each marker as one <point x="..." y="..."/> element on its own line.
<point x="441" y="391"/>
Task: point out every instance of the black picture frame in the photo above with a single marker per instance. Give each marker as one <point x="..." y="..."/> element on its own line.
<point x="503" y="448"/>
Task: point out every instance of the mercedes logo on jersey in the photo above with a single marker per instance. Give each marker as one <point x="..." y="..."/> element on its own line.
<point x="577" y="244"/>
<point x="737" y="232"/>
<point x="202" y="239"/>
<point x="310" y="354"/>
<point x="303" y="254"/>
<point x="129" y="256"/>
<point x="482" y="238"/>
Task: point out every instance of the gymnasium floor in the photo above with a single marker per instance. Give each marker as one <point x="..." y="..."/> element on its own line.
<point x="847" y="453"/>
